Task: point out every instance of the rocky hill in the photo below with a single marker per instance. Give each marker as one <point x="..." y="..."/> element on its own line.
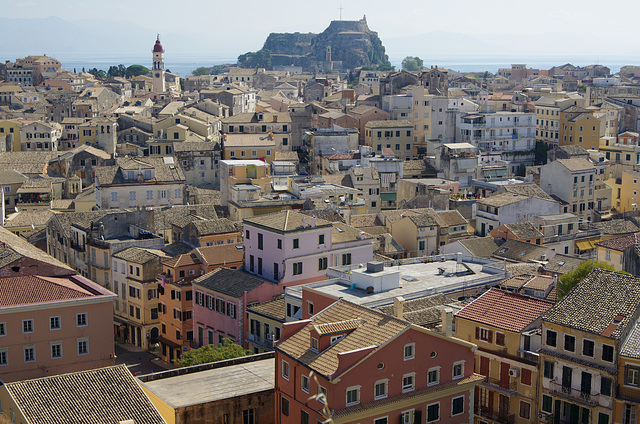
<point x="351" y="44"/>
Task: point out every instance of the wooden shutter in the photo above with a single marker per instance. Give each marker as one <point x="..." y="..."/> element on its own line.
<point x="490" y="338"/>
<point x="477" y="333"/>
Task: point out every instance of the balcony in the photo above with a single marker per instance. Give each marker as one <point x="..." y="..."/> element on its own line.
<point x="576" y="395"/>
<point x="77" y="246"/>
<point x="500" y="386"/>
<point x="496" y="416"/>
<point x="266" y="343"/>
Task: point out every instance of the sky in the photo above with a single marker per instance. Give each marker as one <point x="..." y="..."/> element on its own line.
<point x="206" y="26"/>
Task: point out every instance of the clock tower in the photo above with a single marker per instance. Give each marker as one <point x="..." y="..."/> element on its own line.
<point x="157" y="72"/>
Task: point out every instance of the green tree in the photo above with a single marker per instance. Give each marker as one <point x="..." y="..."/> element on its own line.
<point x="135" y="70"/>
<point x="219" y="69"/>
<point x="98" y="73"/>
<point x="259" y="59"/>
<point x="210" y="353"/>
<point x="572" y="278"/>
<point x="541" y="150"/>
<point x="200" y="71"/>
<point x="411" y="63"/>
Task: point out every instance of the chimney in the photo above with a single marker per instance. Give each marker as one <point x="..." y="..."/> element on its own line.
<point x="304" y="222"/>
<point x="313" y="221"/>
<point x="398" y="307"/>
<point x="447" y="322"/>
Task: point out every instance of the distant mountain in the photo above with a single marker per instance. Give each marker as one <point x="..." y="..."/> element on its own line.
<point x="442" y="44"/>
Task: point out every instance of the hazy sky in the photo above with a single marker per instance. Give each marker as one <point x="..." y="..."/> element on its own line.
<point x="254" y="19"/>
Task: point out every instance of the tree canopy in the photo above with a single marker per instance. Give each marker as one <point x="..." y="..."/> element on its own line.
<point x="136" y="70"/>
<point x="200" y="71"/>
<point x="411" y="63"/>
<point x="572" y="278"/>
<point x="259" y="59"/>
<point x="210" y="353"/>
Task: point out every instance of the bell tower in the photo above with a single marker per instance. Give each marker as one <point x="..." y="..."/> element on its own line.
<point x="157" y="71"/>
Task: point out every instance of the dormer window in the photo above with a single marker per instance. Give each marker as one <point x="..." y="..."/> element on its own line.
<point x="336" y="339"/>
<point x="314" y="344"/>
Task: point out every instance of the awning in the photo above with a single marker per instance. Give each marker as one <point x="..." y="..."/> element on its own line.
<point x="168" y="342"/>
<point x="389" y="197"/>
<point x="588" y="244"/>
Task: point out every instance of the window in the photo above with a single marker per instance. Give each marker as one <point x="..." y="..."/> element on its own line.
<point x="54" y="323"/>
<point x="81" y="319"/>
<point x="285" y="370"/>
<point x="56" y="350"/>
<point x="409" y="351"/>
<point x="525" y="410"/>
<point x="260" y="241"/>
<point x="27" y="326"/>
<point x="83" y="346"/>
<point x="457" y="406"/>
<point x="346" y="259"/>
<point x="249" y="416"/>
<point x="458" y="370"/>
<point x="500" y="339"/>
<point x="297" y="268"/>
<point x="603" y="418"/>
<point x="484" y="335"/>
<point x="4" y="357"/>
<point x="284" y="406"/>
<point x="587" y="347"/>
<point x="607" y="353"/>
<point x="322" y="395"/>
<point x="304" y="417"/>
<point x="383" y="420"/>
<point x="322" y="264"/>
<point x="632" y="375"/>
<point x="132" y="195"/>
<point x="353" y="395"/>
<point x="408" y="382"/>
<point x="433" y="412"/>
<point x="552" y="337"/>
<point x="380" y="389"/>
<point x="569" y="343"/>
<point x="296" y="243"/>
<point x="3" y="329"/>
<point x="525" y="376"/>
<point x="304" y="383"/>
<point x="279" y="243"/>
<point x="29" y="353"/>
<point x="547" y="403"/>
<point x="320" y="239"/>
<point x="433" y="376"/>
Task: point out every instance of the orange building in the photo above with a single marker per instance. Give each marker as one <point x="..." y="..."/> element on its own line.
<point x="176" y="322"/>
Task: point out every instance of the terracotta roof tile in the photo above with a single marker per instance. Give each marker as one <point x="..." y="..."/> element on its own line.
<point x="505" y="310"/>
<point x="37" y="289"/>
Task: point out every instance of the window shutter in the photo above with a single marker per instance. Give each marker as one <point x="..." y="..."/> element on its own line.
<point x="626" y="374"/>
<point x="490" y="338"/>
<point x="478" y="333"/>
<point x="417" y="416"/>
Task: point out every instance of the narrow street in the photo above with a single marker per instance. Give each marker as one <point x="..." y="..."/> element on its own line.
<point x="139" y="361"/>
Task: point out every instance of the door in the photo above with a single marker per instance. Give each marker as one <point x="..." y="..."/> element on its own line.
<point x="503" y="406"/>
<point x="483" y="229"/>
<point x="504" y="375"/>
<point x="585" y="384"/>
<point x="566" y="379"/>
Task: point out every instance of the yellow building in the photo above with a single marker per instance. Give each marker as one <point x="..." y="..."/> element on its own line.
<point x="548" y="114"/>
<point x="12" y="127"/>
<point x="166" y="128"/>
<point x="249" y="146"/>
<point x="617" y="251"/>
<point x="265" y="325"/>
<point x="623" y="150"/>
<point x="628" y="398"/>
<point x="625" y="188"/>
<point x="135" y="271"/>
<point x="581" y="127"/>
<point x="505" y="326"/>
<point x="394" y="135"/>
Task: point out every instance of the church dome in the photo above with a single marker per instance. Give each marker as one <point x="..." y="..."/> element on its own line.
<point x="158" y="47"/>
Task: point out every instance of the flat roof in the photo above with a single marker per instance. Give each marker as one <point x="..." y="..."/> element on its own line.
<point x="197" y="388"/>
<point x="416" y="280"/>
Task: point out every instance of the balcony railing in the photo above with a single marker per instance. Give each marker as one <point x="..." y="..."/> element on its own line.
<point x="497" y="416"/>
<point x="495" y="383"/>
<point x="266" y="343"/>
<point x="568" y="392"/>
<point x="77" y="246"/>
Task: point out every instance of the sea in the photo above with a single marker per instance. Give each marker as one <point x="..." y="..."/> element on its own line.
<point x="185" y="64"/>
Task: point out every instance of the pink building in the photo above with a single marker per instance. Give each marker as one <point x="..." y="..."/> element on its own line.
<point x="220" y="298"/>
<point x="349" y="363"/>
<point x="292" y="248"/>
<point x="53" y="325"/>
